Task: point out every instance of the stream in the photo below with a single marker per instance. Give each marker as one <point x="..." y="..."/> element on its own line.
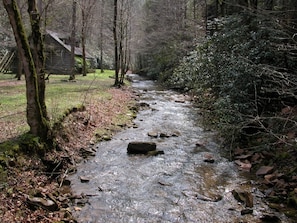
<point x="190" y="182"/>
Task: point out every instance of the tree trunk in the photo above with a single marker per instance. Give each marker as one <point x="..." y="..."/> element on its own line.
<point x="38" y="53"/>
<point x="83" y="42"/>
<point x="36" y="118"/>
<point x="73" y="40"/>
<point x="101" y="35"/>
<point x="20" y="67"/>
<point x="116" y="56"/>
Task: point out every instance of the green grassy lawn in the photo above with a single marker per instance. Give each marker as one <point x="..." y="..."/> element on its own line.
<point x="61" y="95"/>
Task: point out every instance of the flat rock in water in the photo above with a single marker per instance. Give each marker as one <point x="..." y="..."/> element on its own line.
<point x="84" y="179"/>
<point x="141" y="147"/>
<point x="165" y="135"/>
<point x="153" y="134"/>
<point x="208" y="158"/>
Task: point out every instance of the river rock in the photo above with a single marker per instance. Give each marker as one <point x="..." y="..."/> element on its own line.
<point x="143" y="106"/>
<point x="165" y="135"/>
<point x="270" y="218"/>
<point x="46" y="204"/>
<point x="246" y="211"/>
<point x="84" y="179"/>
<point x="208" y="158"/>
<point x="141" y="147"/>
<point x="153" y="134"/>
<point x="244" y="197"/>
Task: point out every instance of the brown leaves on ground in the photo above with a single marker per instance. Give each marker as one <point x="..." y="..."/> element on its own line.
<point x="79" y="128"/>
<point x="29" y="175"/>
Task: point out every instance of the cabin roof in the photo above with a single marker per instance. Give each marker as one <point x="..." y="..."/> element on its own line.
<point x="57" y="37"/>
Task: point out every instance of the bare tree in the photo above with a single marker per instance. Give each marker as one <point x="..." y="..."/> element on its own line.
<point x="102" y="14"/>
<point x="86" y="16"/>
<point x="115" y="38"/>
<point x="73" y="41"/>
<point x="122" y="35"/>
<point x="33" y="67"/>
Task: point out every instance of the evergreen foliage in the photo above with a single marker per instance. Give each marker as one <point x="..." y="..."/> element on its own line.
<point x="246" y="71"/>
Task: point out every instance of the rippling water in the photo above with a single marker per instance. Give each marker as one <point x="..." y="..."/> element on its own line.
<point x="175" y="187"/>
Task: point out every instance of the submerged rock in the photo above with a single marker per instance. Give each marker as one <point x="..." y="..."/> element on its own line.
<point x="141" y="147"/>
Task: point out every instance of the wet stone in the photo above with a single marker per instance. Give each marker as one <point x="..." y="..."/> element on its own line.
<point x="165" y="135"/>
<point x="270" y="218"/>
<point x="208" y="158"/>
<point x="84" y="179"/>
<point x="153" y="134"/>
<point x="141" y="147"/>
<point x="246" y="211"/>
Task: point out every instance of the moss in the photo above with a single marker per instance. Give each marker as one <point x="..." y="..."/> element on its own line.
<point x="3" y="176"/>
<point x="31" y="144"/>
<point x="292" y="200"/>
<point x="8" y="151"/>
<point x="103" y="135"/>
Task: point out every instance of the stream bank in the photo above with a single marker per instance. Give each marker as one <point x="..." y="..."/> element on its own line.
<point x="190" y="182"/>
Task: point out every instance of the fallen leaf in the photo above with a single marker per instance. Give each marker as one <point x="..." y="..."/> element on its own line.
<point x="263" y="170"/>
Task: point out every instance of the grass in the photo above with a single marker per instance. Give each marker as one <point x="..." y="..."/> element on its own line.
<point x="60" y="94"/>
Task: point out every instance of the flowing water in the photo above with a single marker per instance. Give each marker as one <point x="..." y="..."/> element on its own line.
<point x="177" y="186"/>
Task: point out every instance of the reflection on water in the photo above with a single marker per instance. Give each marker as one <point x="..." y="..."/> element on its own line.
<point x="175" y="187"/>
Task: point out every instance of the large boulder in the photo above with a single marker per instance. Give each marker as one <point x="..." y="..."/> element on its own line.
<point x="141" y="147"/>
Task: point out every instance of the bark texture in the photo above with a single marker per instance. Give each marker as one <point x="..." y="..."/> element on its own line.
<point x="35" y="116"/>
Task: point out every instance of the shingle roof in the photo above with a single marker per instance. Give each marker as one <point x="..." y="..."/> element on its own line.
<point x="78" y="50"/>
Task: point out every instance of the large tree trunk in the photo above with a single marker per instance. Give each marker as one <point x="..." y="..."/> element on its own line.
<point x="83" y="42"/>
<point x="73" y="41"/>
<point x="38" y="53"/>
<point x="35" y="116"/>
<point x="102" y="14"/>
<point x="115" y="38"/>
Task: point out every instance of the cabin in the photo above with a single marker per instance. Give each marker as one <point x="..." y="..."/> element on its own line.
<point x="57" y="56"/>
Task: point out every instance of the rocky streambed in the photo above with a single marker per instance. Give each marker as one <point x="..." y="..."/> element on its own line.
<point x="186" y="180"/>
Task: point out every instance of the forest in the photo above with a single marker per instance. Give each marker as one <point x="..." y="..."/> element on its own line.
<point x="235" y="59"/>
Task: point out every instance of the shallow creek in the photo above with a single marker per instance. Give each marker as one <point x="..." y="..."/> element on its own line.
<point x="177" y="186"/>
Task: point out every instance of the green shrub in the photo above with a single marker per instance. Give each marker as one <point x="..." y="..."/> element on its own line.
<point x="247" y="73"/>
